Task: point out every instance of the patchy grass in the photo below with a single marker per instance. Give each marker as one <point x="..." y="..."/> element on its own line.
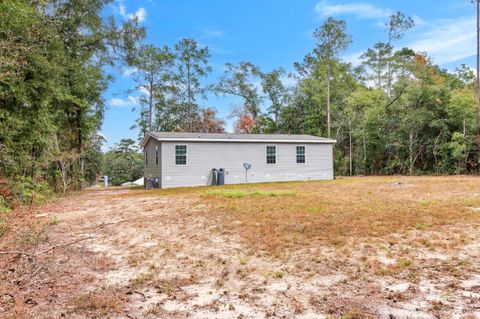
<point x="278" y="216"/>
<point x="350" y="248"/>
<point x="95" y="305"/>
<point x="241" y="193"/>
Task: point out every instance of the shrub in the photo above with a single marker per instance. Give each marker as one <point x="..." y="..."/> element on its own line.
<point x="28" y="191"/>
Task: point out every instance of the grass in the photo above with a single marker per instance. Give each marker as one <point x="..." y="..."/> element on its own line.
<point x="97" y="306"/>
<point x="278" y="216"/>
<point x="241" y="193"/>
<point x="275" y="217"/>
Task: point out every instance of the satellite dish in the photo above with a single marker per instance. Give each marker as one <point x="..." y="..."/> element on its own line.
<point x="247" y="165"/>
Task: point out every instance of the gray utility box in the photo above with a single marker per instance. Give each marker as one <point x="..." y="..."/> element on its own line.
<point x="221" y="177"/>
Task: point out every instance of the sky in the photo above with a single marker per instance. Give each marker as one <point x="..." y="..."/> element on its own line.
<point x="278" y="33"/>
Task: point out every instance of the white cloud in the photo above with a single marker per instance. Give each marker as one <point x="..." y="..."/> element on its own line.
<point x="353" y="58"/>
<point x="144" y="90"/>
<point x="447" y="41"/>
<point x="140" y="15"/>
<point x="360" y="9"/>
<point x="208" y="33"/>
<point x="289" y="81"/>
<point x="129" y="101"/>
<point x="128" y="71"/>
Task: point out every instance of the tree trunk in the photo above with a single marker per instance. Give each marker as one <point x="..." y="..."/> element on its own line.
<point x="150" y="104"/>
<point x="478" y="78"/>
<point x="189" y="98"/>
<point x="364" y="154"/>
<point x="350" y="146"/>
<point x="328" y="101"/>
<point x="410" y="151"/>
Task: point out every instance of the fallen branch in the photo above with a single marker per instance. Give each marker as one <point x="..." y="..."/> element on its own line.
<point x="15" y="252"/>
<point x="102" y="225"/>
<point x="63" y="245"/>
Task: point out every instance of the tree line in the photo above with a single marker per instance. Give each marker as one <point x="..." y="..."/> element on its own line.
<point x="395" y="113"/>
<point x="53" y="55"/>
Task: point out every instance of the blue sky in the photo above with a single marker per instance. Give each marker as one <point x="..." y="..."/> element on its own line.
<point x="277" y="33"/>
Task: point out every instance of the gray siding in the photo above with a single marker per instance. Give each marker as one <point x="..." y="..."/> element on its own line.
<point x="203" y="156"/>
<point x="152" y="170"/>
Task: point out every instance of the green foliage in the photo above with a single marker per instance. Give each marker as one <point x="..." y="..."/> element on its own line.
<point x="123" y="163"/>
<point x="29" y="191"/>
<point x="4" y="210"/>
<point x="55" y="221"/>
<point x="51" y="82"/>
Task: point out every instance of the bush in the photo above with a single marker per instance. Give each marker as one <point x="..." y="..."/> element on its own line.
<point x="4" y="210"/>
<point x="28" y="191"/>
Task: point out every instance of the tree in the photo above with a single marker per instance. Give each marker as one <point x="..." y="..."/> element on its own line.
<point x="154" y="74"/>
<point x="276" y="93"/>
<point x="332" y="39"/>
<point x="191" y="65"/>
<point x="209" y="123"/>
<point x="238" y="81"/>
<point x="123" y="163"/>
<point x="53" y="55"/>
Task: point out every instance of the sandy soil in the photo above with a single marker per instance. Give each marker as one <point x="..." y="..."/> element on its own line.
<point x="165" y="257"/>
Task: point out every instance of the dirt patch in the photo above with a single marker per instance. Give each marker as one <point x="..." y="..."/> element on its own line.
<point x="408" y="250"/>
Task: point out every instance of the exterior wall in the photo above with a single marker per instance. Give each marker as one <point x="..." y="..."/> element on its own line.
<point x="203" y="156"/>
<point x="152" y="170"/>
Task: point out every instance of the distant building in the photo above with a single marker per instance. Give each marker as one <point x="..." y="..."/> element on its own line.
<point x="187" y="159"/>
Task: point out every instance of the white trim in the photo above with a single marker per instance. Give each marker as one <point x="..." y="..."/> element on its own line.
<point x="169" y="139"/>
<point x="304" y="154"/>
<point x="175" y="154"/>
<point x="266" y="154"/>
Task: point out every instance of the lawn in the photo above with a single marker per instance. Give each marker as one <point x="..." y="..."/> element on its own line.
<point x="360" y="247"/>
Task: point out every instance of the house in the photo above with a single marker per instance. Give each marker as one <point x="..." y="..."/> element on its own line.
<point x="187" y="159"/>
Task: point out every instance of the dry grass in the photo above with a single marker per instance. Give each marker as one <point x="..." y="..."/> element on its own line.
<point x="95" y="305"/>
<point x="370" y="247"/>
<point x="345" y="210"/>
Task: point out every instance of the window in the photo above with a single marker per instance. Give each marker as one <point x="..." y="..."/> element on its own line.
<point x="156" y="155"/>
<point x="146" y="157"/>
<point x="180" y="154"/>
<point x="271" y="154"/>
<point x="300" y="154"/>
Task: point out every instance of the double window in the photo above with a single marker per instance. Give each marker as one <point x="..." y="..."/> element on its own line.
<point x="180" y="154"/>
<point x="300" y="154"/>
<point x="271" y="154"/>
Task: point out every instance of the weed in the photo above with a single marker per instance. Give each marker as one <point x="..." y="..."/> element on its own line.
<point x="55" y="221"/>
<point x="242" y="260"/>
<point x="421" y="226"/>
<point x="142" y="278"/>
<point x="404" y="262"/>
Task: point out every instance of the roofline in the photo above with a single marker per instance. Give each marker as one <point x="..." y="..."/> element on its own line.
<point x="190" y="139"/>
<point x="146" y="138"/>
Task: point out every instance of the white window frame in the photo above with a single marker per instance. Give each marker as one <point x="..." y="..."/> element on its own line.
<point x="156" y="155"/>
<point x="175" y="154"/>
<point x="304" y="154"/>
<point x="266" y="154"/>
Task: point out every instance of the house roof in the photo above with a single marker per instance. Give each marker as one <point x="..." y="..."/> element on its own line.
<point x="229" y="137"/>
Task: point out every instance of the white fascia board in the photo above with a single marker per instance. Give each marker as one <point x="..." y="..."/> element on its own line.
<point x="169" y="139"/>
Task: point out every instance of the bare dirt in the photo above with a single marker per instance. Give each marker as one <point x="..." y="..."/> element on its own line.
<point x="170" y="255"/>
